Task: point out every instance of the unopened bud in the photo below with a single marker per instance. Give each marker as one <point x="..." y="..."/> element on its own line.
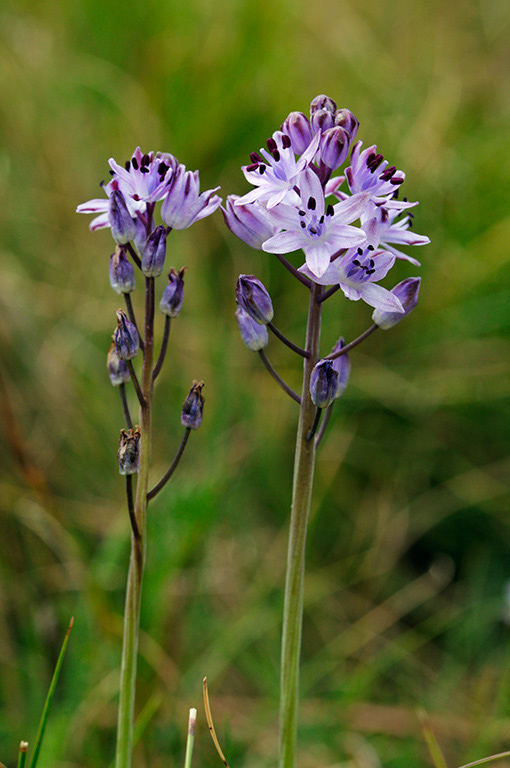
<point x="129" y="451"/>
<point x="193" y="408"/>
<point x="121" y="223"/>
<point x="407" y="293"/>
<point x="334" y="147"/>
<point x="173" y="295"/>
<point x="248" y="223"/>
<point x="297" y="128"/>
<point x="122" y="274"/>
<point x="254" y="299"/>
<point x="342" y="366"/>
<point x="125" y="337"/>
<point x="322" y="102"/>
<point x="117" y="368"/>
<point x="253" y="334"/>
<point x="323" y="383"/>
<point x="346" y="120"/>
<point x="321" y="120"/>
<point x="153" y="254"/>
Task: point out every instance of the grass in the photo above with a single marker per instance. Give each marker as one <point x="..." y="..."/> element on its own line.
<point x="408" y="552"/>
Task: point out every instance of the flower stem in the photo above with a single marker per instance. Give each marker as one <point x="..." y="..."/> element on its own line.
<point x="138" y="547"/>
<point x="294" y="585"/>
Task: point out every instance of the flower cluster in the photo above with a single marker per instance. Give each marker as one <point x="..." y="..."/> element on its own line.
<point x="348" y="226"/>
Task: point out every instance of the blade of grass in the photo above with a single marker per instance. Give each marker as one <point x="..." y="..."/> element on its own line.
<point x="210" y="723"/>
<point x="432" y="743"/>
<point x="49" y="698"/>
<point x="486" y="759"/>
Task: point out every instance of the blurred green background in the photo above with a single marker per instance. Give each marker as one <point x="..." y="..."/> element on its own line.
<point x="407" y="605"/>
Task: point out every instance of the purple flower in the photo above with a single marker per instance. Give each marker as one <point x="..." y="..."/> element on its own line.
<point x="253" y="297"/>
<point x="357" y="273"/>
<point x="248" y="222"/>
<point x="369" y="172"/>
<point x="274" y="173"/>
<point x="145" y="177"/>
<point x="173" y="295"/>
<point x="183" y="204"/>
<point x="153" y="255"/>
<point x="323" y="383"/>
<point x="252" y="333"/>
<point x="382" y="228"/>
<point x="193" y="408"/>
<point x="319" y="231"/>
<point x="122" y="274"/>
<point x="117" y="368"/>
<point x="342" y="366"/>
<point x="125" y="337"/>
<point x="407" y="293"/>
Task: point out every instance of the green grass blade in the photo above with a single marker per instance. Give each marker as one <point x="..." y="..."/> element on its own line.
<point x="49" y="698"/>
<point x="191" y="737"/>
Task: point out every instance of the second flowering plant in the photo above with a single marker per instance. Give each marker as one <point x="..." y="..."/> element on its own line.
<point x="347" y="230"/>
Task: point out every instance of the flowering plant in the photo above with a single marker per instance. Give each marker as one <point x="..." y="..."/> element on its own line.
<point x="298" y="205"/>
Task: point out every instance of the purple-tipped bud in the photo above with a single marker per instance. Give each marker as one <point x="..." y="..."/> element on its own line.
<point x="129" y="452"/>
<point x="254" y="335"/>
<point x="117" y="368"/>
<point x="297" y="127"/>
<point x="322" y="102"/>
<point x="254" y="299"/>
<point x="125" y="337"/>
<point x="193" y="408"/>
<point x="321" y="120"/>
<point x="323" y="383"/>
<point x="122" y="274"/>
<point x="248" y="223"/>
<point x="407" y="293"/>
<point x="334" y="147"/>
<point x="342" y="366"/>
<point x="140" y="237"/>
<point x="346" y="120"/>
<point x="153" y="255"/>
<point x="122" y="225"/>
<point x="173" y="295"/>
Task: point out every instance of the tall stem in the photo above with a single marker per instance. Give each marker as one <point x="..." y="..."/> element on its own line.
<point x="294" y="584"/>
<point x="138" y="547"/>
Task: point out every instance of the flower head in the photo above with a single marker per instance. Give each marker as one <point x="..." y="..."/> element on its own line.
<point x="183" y="204"/>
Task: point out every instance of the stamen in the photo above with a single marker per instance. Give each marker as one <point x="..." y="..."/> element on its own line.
<point x="146" y="160"/>
<point x="312" y="230"/>
<point x="144" y="169"/>
<point x="286" y="141"/>
<point x="276" y="155"/>
<point x="397" y="181"/>
<point x="271" y="144"/>
<point x="252" y="167"/>
<point x="302" y="213"/>
<point x="311" y="204"/>
<point x="162" y="169"/>
<point x="127" y="164"/>
<point x="262" y="169"/>
<point x="370" y="247"/>
<point x="360" y="251"/>
<point x="134" y="163"/>
<point x="303" y="225"/>
<point x="356" y="262"/>
<point x="330" y="210"/>
<point x="255" y="157"/>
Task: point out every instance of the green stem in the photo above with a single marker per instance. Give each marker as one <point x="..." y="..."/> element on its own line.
<point x="294" y="585"/>
<point x="138" y="547"/>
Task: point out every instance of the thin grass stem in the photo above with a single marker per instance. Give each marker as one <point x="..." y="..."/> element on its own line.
<point x="22" y="755"/>
<point x="191" y="737"/>
<point x="162" y="351"/>
<point x="278" y="378"/>
<point x="173" y="466"/>
<point x="125" y="406"/>
<point x="290" y="344"/>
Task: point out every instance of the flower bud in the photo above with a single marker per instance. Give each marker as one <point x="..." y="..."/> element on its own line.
<point x="193" y="408"/>
<point x="346" y="120"/>
<point x="297" y="128"/>
<point x="121" y="223"/>
<point x="321" y="120"/>
<point x="129" y="452"/>
<point x="407" y="293"/>
<point x="254" y="299"/>
<point x="342" y="366"/>
<point x="322" y="102"/>
<point x="140" y="237"/>
<point x="248" y="223"/>
<point x="173" y="295"/>
<point x="334" y="147"/>
<point x="117" y="368"/>
<point x="125" y="337"/>
<point x="253" y="334"/>
<point x="122" y="274"/>
<point x="153" y="255"/>
<point x="323" y="383"/>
